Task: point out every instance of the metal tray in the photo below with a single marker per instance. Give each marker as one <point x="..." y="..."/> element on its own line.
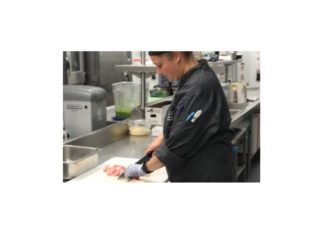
<point x="78" y="159"/>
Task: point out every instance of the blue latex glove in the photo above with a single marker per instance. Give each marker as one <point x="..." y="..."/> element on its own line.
<point x="134" y="170"/>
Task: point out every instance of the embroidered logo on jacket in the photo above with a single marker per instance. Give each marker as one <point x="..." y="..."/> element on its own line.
<point x="170" y="116"/>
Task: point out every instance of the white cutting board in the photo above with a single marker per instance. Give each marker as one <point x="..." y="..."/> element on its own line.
<point x="98" y="175"/>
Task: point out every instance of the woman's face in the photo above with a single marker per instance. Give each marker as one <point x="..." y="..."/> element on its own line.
<point x="168" y="67"/>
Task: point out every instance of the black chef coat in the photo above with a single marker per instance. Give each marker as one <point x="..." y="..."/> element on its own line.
<point x="197" y="134"/>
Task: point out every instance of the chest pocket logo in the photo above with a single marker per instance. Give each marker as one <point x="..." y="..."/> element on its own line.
<point x="170" y="115"/>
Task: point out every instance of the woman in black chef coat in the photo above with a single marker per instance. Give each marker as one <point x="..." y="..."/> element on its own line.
<point x="195" y="145"/>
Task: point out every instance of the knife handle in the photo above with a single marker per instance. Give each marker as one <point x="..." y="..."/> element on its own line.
<point x="145" y="158"/>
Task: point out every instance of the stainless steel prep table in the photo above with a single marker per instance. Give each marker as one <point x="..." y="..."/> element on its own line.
<point x="251" y="106"/>
<point x="134" y="146"/>
<point x="128" y="147"/>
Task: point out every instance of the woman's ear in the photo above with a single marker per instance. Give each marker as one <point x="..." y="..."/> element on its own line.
<point x="177" y="56"/>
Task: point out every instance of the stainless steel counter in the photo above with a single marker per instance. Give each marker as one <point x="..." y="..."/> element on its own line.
<point x="243" y="112"/>
<point x="114" y="140"/>
<point x="133" y="146"/>
<point x="128" y="147"/>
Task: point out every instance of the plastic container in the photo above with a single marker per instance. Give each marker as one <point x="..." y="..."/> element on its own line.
<point x="126" y="97"/>
<point x="139" y="127"/>
<point x="237" y="93"/>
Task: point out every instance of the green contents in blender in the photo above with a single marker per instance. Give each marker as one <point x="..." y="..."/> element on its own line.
<point x="126" y="98"/>
<point x="123" y="113"/>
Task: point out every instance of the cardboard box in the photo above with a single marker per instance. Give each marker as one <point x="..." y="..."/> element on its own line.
<point x="155" y="114"/>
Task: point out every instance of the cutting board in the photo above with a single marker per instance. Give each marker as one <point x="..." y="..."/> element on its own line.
<point x="98" y="175"/>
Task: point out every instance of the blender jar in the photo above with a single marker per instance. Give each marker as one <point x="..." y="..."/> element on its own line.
<point x="126" y="97"/>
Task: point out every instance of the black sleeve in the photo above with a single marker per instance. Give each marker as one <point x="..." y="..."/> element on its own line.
<point x="188" y="135"/>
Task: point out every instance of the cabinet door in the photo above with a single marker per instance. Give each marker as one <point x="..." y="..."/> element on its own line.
<point x="255" y="134"/>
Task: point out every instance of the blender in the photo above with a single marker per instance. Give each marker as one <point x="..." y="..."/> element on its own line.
<point x="126" y="97"/>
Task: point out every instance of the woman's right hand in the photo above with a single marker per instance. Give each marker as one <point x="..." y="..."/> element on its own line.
<point x="154" y="144"/>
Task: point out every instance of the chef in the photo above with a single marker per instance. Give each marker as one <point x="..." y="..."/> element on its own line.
<point x="195" y="145"/>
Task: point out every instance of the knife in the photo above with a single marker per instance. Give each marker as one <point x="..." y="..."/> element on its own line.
<point x="145" y="158"/>
<point x="141" y="161"/>
<point x="122" y="176"/>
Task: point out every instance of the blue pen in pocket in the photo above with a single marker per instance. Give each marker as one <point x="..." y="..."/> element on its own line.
<point x="190" y="116"/>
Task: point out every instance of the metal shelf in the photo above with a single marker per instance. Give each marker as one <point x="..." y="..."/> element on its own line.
<point x="143" y="71"/>
<point x="224" y="62"/>
<point x="149" y="70"/>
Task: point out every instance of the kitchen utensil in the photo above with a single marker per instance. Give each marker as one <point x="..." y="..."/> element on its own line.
<point x="126" y="98"/>
<point x="122" y="176"/>
<point x="145" y="158"/>
<point x="141" y="161"/>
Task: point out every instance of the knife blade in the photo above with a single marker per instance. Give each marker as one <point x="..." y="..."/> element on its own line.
<point x="122" y="176"/>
